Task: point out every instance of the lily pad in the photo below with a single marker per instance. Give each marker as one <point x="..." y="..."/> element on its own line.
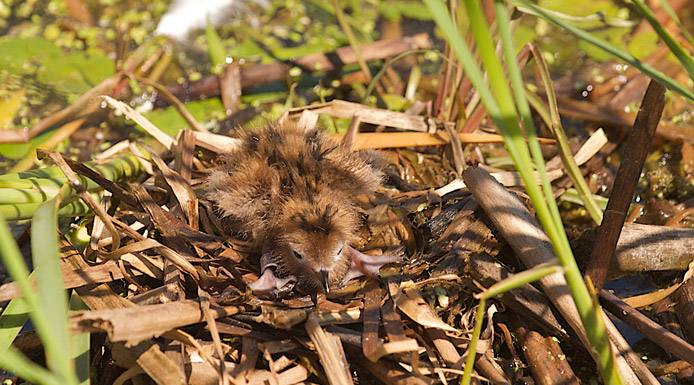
<point x="71" y="73"/>
<point x="74" y="73"/>
<point x="17" y="54"/>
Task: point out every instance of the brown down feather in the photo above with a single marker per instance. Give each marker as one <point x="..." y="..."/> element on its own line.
<point x="291" y="191"/>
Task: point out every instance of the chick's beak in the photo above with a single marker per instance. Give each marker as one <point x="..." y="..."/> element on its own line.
<point x="324" y="277"/>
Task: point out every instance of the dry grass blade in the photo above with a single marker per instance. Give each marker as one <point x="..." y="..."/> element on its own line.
<point x="643" y="300"/>
<point x="369" y="115"/>
<point x="146" y="125"/>
<point x="404" y="346"/>
<point x="247" y="360"/>
<point x="180" y="187"/>
<point x="107" y="185"/>
<point x="308" y="119"/>
<point x="372" y="302"/>
<point x="330" y="351"/>
<point x="220" y="143"/>
<point x="512" y="178"/>
<point x="64" y="132"/>
<point x="151" y="360"/>
<point x="181" y="336"/>
<point x="185" y="157"/>
<point x="212" y="325"/>
<point x="147" y="355"/>
<point x="380" y="140"/>
<point x="174" y="101"/>
<point x="136" y="324"/>
<point x="142" y="245"/>
<point x="107" y="272"/>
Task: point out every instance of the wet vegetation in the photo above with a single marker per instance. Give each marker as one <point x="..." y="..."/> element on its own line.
<point x="112" y="119"/>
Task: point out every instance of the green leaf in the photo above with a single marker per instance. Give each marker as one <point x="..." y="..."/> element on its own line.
<point x="395" y="10"/>
<point x="19" y="150"/>
<point x="170" y="121"/>
<point x="15" y="362"/>
<point x="74" y="73"/>
<point x="52" y="295"/>
<point x="9" y="358"/>
<point x="643" y="44"/>
<point x="12" y="319"/>
<point x="663" y="79"/>
<point x="16" y="54"/>
<point x="215" y="49"/>
<point x="675" y="48"/>
<point x="80" y="343"/>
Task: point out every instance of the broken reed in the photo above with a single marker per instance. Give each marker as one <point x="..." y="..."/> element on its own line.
<point x="504" y="111"/>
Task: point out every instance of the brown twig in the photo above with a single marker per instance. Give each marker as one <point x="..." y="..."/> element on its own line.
<point x="277" y="71"/>
<point x="635" y="152"/>
<point x="650" y="329"/>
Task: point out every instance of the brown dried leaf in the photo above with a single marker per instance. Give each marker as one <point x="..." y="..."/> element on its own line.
<point x="410" y="302"/>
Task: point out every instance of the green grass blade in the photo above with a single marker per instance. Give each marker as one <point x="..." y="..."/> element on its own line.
<point x="12" y="319"/>
<point x="666" y="6"/>
<point x="215" y="49"/>
<point x="503" y="112"/>
<point x="450" y="31"/>
<point x="472" y="348"/>
<point x="601" y="17"/>
<point x="50" y="317"/>
<point x="519" y="279"/>
<point x="382" y="71"/>
<point x="80" y="343"/>
<point x="663" y="79"/>
<point x="347" y="30"/>
<point x="518" y="87"/>
<point x="563" y="143"/>
<point x="571" y="195"/>
<point x="680" y="53"/>
<point x="14" y="362"/>
<point x="14" y="263"/>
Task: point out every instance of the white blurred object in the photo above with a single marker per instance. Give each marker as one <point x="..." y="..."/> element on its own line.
<point x="184" y="16"/>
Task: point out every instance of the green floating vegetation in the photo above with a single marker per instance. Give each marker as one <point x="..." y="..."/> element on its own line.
<point x="170" y="120"/>
<point x="73" y="73"/>
<point x="609" y="48"/>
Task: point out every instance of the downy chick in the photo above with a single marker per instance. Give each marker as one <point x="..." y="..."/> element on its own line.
<point x="291" y="193"/>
